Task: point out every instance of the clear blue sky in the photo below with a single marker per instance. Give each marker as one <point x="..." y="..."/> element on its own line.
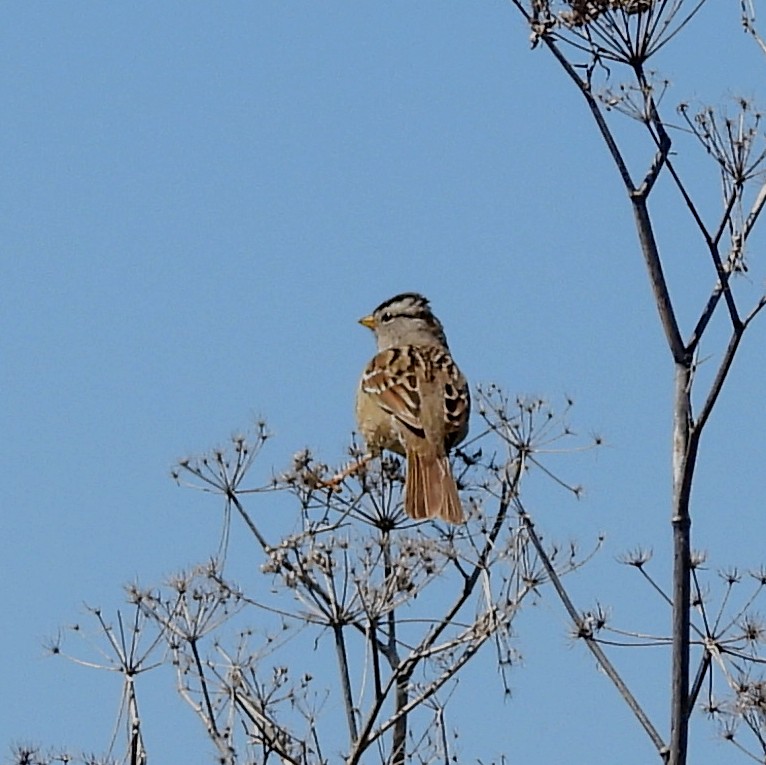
<point x="198" y="202"/>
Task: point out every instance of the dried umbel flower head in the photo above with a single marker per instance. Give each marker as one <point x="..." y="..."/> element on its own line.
<point x="582" y="12"/>
<point x="625" y="31"/>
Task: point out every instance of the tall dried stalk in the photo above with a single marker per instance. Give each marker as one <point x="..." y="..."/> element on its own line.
<point x="586" y="38"/>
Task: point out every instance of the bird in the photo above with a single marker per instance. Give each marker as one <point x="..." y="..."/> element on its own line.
<point x="413" y="400"/>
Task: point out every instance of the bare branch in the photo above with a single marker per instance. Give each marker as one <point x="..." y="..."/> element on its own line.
<point x="657" y="279"/>
<point x="587" y="636"/>
<point x="720" y="378"/>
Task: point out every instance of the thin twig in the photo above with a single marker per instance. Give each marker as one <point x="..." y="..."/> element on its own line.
<point x="590" y="642"/>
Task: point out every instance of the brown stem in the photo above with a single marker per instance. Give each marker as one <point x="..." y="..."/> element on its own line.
<point x="657" y="278"/>
<point x="345" y="681"/>
<point x="400" y="726"/>
<point x="720" y="378"/>
<point x="699" y="679"/>
<point x="137" y="752"/>
<point x="399" y="743"/>
<point x="685" y="442"/>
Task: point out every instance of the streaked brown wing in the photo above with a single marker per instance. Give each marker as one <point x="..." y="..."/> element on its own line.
<point x="390" y="379"/>
<point x="457" y="399"/>
<point x="394" y="378"/>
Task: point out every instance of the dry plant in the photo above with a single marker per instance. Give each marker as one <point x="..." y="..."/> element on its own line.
<point x="606" y="48"/>
<point x="397" y="609"/>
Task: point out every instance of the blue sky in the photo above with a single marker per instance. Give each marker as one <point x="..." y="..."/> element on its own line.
<point x="200" y="200"/>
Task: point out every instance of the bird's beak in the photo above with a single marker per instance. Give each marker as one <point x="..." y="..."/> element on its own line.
<point x="368" y="321"/>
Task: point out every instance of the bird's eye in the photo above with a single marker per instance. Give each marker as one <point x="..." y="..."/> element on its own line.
<point x="386" y="317"/>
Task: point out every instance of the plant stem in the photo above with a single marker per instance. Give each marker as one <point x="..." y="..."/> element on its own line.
<point x="684" y="457"/>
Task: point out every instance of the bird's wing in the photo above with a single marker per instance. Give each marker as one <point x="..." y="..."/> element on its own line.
<point x="392" y="379"/>
<point x="423" y="389"/>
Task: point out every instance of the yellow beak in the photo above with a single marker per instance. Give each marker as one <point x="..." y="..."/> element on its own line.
<point x="368" y="321"/>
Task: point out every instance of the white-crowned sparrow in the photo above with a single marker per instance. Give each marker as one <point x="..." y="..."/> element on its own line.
<point x="413" y="400"/>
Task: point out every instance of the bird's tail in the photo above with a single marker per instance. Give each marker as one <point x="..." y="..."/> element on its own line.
<point x="430" y="489"/>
